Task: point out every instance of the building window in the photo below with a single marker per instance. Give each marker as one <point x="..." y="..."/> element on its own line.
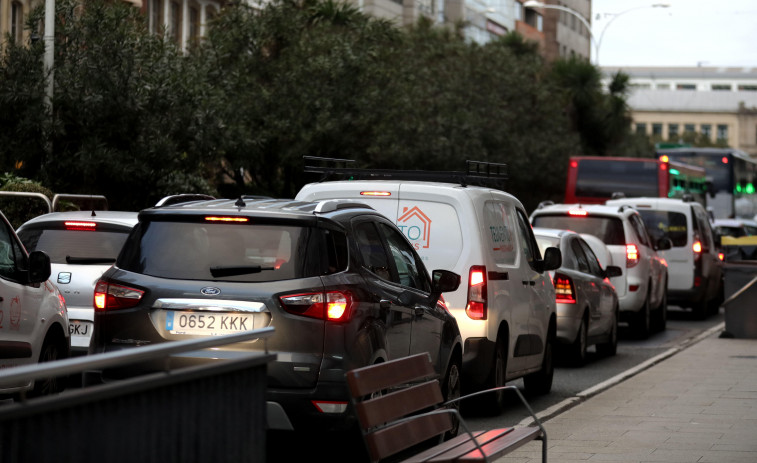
<point x="722" y="132"/>
<point x="689" y="128"/>
<point x="706" y="131"/>
<point x="672" y="130"/>
<point x="686" y="87"/>
<point x="156" y="16"/>
<point x="726" y="87"/>
<point x="663" y="86"/>
<point x="641" y="128"/>
<point x="175" y="22"/>
<point x="748" y="88"/>
<point x="642" y="86"/>
<point x="17" y="21"/>
<point x="657" y="129"/>
<point x="194" y="24"/>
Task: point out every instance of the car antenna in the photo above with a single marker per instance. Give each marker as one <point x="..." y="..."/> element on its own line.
<point x="93" y="213"/>
<point x="240" y="202"/>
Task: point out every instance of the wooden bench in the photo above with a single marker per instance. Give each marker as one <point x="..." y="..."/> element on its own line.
<point x="399" y="405"/>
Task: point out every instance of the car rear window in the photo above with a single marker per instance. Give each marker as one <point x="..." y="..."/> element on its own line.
<point x="85" y="244"/>
<point x="607" y="229"/>
<point x="666" y="224"/>
<point x="232" y="252"/>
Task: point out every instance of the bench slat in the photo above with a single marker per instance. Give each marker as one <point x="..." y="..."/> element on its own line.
<point x="396" y="438"/>
<point x="367" y="380"/>
<point x="398" y="404"/>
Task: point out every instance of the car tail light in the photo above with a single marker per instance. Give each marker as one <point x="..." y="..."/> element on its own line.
<point x="79" y="225"/>
<point x="632" y="255"/>
<point x="564" y="292"/>
<point x="214" y="218"/>
<point x="697" y="248"/>
<point x="336" y="307"/>
<point x="578" y="212"/>
<point x="109" y="296"/>
<point x="721" y="256"/>
<point x="375" y="193"/>
<point x="476" y="307"/>
<point x="697" y="281"/>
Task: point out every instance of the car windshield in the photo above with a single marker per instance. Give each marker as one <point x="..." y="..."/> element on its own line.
<point x="666" y="224"/>
<point x="607" y="229"/>
<point x="230" y="252"/>
<point x="75" y="246"/>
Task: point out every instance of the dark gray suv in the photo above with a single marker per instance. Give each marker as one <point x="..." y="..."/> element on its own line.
<point x="338" y="281"/>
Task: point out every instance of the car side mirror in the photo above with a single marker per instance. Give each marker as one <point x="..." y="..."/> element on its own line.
<point x="663" y="244"/>
<point x="552" y="259"/>
<point x="443" y="281"/>
<point x="39" y="267"/>
<point x="613" y="271"/>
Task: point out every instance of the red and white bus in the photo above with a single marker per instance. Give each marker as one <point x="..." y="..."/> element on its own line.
<point x="595" y="179"/>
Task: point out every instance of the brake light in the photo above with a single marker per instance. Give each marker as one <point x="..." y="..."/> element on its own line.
<point x="109" y="296"/>
<point x="79" y="225"/>
<point x="721" y="255"/>
<point x="578" y="212"/>
<point x="697" y="248"/>
<point x="564" y="292"/>
<point x="375" y="193"/>
<point x="226" y="219"/>
<point x="632" y="255"/>
<point x="336" y="307"/>
<point x="476" y="307"/>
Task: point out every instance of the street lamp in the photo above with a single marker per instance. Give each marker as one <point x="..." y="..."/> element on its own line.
<point x="597" y="43"/>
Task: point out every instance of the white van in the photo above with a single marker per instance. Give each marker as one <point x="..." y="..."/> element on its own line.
<point x="506" y="308"/>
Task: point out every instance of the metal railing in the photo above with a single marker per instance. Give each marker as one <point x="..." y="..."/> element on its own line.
<point x="211" y="412"/>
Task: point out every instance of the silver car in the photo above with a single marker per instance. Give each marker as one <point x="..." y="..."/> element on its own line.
<point x="81" y="245"/>
<point x="587" y="304"/>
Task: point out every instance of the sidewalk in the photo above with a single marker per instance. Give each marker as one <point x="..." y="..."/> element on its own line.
<point x="699" y="405"/>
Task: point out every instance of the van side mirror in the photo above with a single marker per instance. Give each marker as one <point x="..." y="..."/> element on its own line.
<point x="39" y="267"/>
<point x="552" y="259"/>
<point x="443" y="281"/>
<point x="613" y="271"/>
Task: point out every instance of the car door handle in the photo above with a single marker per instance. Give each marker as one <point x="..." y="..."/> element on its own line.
<point x="527" y="283"/>
<point x="498" y="276"/>
<point x="419" y="311"/>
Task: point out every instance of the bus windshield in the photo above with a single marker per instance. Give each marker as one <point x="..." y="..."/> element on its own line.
<point x="600" y="179"/>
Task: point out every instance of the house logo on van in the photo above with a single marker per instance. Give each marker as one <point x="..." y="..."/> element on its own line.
<point x="416" y="226"/>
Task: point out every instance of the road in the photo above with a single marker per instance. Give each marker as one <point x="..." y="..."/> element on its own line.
<point x="569" y="381"/>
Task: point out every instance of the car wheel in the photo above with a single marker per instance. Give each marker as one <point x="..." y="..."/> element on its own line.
<point x="610" y="348"/>
<point x="540" y="383"/>
<point x="451" y="389"/>
<point x="642" y="320"/>
<point x="52" y="350"/>
<point x="578" y="348"/>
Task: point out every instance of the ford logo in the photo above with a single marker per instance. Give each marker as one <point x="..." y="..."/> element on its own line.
<point x="210" y="291"/>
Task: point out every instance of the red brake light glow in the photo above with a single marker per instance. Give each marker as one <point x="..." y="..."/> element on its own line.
<point x="578" y="212"/>
<point x="226" y="219"/>
<point x="721" y="256"/>
<point x="109" y="296"/>
<point x="375" y="193"/>
<point x="477" y="293"/>
<point x="632" y="255"/>
<point x="564" y="289"/>
<point x="725" y="159"/>
<point x="664" y="158"/>
<point x="697" y="247"/>
<point x="79" y="225"/>
<point x="336" y="308"/>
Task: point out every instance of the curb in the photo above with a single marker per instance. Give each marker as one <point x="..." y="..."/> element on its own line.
<point x="570" y="402"/>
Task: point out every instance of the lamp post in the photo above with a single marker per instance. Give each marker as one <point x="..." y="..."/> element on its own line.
<point x="592" y="37"/>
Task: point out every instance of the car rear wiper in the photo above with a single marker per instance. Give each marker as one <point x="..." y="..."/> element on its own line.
<point x="240" y="270"/>
<point x="89" y="260"/>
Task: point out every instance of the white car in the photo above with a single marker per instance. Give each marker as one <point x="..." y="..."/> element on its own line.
<point x="33" y="318"/>
<point x="81" y="245"/>
<point x="735" y="227"/>
<point x="505" y="307"/>
<point x="642" y="288"/>
<point x="694" y="266"/>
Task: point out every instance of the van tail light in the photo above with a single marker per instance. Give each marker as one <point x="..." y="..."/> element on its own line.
<point x="721" y="256"/>
<point x="632" y="255"/>
<point x="109" y="296"/>
<point x="697" y="248"/>
<point x="564" y="291"/>
<point x="476" y="306"/>
<point x="332" y="305"/>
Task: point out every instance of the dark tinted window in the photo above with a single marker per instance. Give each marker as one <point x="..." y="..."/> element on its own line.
<point x="409" y="268"/>
<point x="233" y="252"/>
<point x="601" y="179"/>
<point x="583" y="263"/>
<point x="607" y="229"/>
<point x="12" y="258"/>
<point x="372" y="250"/>
<point x="666" y="224"/>
<point x="59" y="243"/>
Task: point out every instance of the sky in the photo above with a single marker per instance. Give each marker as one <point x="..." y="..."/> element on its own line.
<point x="713" y="33"/>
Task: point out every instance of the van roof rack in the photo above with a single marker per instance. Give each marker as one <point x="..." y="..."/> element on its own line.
<point x="476" y="173"/>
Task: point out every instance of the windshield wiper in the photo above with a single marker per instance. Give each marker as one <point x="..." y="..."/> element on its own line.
<point x="89" y="260"/>
<point x="218" y="272"/>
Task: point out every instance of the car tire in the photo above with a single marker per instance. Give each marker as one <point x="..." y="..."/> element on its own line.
<point x="540" y="382"/>
<point x="610" y="348"/>
<point x="452" y="390"/>
<point x="641" y="325"/>
<point x="578" y="348"/>
<point x="52" y="349"/>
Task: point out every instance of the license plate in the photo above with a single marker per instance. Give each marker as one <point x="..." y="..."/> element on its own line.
<point x="79" y="328"/>
<point x="208" y="324"/>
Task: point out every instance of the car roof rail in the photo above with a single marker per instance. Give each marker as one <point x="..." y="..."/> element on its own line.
<point x="331" y="205"/>
<point x="618" y="195"/>
<point x="182" y="198"/>
<point x="687" y="198"/>
<point x="544" y="204"/>
<point x="626" y="206"/>
<point x="477" y="172"/>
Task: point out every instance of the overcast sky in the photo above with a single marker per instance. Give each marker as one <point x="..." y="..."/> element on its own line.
<point x="687" y="33"/>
